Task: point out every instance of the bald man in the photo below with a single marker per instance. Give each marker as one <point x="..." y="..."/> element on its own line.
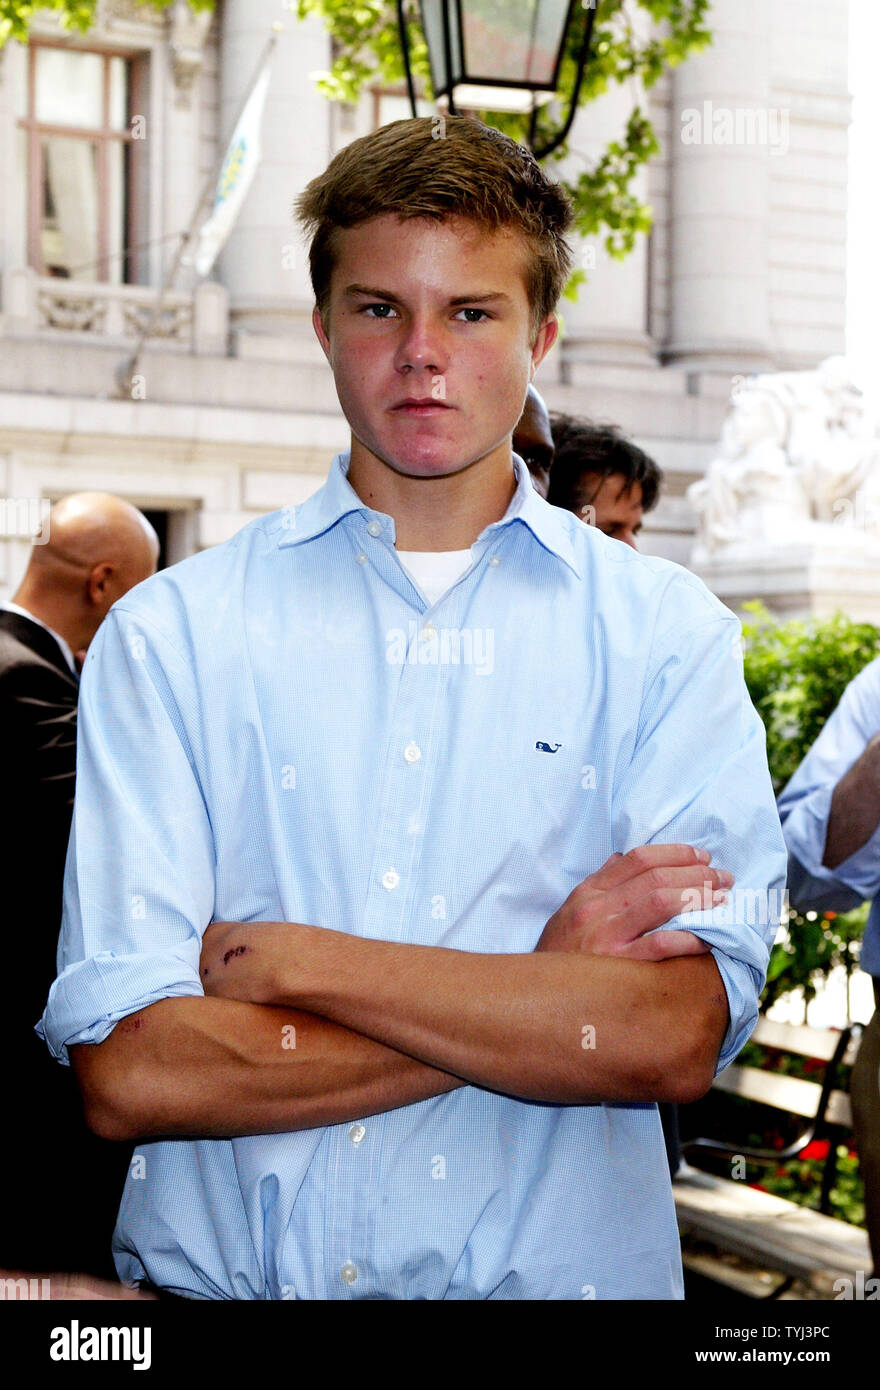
<point x="57" y="1203"/>
<point x="533" y="441"/>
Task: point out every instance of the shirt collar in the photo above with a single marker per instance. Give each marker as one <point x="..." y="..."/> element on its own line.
<point x="552" y="527"/>
<point x="65" y="646"/>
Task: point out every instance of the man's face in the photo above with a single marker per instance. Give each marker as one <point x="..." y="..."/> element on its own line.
<point x="616" y="506"/>
<point x="428" y="334"/>
<point x="533" y="441"/>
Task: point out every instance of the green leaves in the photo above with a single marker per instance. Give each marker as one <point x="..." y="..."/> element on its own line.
<point x="796" y="673"/>
<point x="16" y="15"/>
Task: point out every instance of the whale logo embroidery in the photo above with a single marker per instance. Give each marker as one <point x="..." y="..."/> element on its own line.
<point x="545" y="747"/>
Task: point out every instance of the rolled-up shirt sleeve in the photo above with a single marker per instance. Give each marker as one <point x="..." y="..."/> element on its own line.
<point x="139" y="875"/>
<point x="699" y="776"/>
<point x="805" y="805"/>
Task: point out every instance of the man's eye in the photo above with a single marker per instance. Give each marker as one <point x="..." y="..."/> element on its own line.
<point x="379" y="311"/>
<point x="481" y="312"/>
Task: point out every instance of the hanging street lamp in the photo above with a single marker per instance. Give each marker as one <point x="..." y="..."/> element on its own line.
<point x="499" y="55"/>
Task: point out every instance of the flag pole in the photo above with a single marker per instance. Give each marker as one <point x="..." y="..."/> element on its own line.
<point x="126" y="371"/>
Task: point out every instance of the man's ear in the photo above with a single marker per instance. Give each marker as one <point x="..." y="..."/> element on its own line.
<point x="97" y="584"/>
<point x="320" y="331"/>
<point x="547" y="335"/>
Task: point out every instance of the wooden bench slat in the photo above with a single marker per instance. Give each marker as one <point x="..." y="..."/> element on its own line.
<point x="763" y="1229"/>
<point x="793" y="1037"/>
<point x="839" y="1111"/>
<point x="768" y="1229"/>
<point x="770" y="1088"/>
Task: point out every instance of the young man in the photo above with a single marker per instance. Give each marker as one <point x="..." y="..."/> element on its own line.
<point x="602" y="477"/>
<point x="404" y="746"/>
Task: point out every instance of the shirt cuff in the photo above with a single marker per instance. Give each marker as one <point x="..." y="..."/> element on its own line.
<point x="743" y="986"/>
<point x="88" y="1000"/>
<point x="811" y="884"/>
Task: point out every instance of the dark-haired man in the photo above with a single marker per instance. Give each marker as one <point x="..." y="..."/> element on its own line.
<point x="329" y="937"/>
<point x="602" y="477"/>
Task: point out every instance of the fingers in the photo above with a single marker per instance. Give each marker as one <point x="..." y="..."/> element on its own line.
<point x="620" y="868"/>
<point x="683" y="890"/>
<point x="656" y="907"/>
<point x="666" y="945"/>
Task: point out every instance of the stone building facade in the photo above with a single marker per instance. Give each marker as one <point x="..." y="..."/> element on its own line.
<point x="107" y="139"/>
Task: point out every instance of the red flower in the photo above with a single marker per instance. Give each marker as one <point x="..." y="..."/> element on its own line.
<point x="818" y="1149"/>
<point x="829" y="916"/>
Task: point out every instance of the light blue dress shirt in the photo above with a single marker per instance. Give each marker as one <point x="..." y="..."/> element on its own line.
<point x="804" y="807"/>
<point x="280" y="728"/>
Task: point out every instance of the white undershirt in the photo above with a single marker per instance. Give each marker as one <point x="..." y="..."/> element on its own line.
<point x="435" y="571"/>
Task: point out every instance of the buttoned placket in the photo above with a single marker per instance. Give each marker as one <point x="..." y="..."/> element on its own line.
<point x="393" y="891"/>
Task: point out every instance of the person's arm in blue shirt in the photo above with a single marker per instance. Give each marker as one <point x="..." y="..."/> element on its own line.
<point x="515" y="1023"/>
<point x="219" y="1066"/>
<point x="830" y="810"/>
<point x="190" y="1065"/>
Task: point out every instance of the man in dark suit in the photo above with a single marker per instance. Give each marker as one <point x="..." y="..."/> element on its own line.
<point x="59" y="1185"/>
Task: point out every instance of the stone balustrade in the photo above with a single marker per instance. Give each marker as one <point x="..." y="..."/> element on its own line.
<point x="189" y="321"/>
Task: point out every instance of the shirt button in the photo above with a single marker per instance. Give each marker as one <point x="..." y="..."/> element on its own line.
<point x="428" y="630"/>
<point x="493" y="560"/>
<point x="374" y="528"/>
<point x="356" y="1133"/>
<point x="361" y="558"/>
<point x="390" y="880"/>
<point x="412" y="752"/>
<point x="348" y="1272"/>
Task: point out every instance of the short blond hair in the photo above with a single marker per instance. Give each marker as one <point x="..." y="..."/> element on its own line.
<point x="442" y="167"/>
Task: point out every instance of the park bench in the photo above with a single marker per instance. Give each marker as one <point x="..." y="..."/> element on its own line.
<point x="768" y="1233"/>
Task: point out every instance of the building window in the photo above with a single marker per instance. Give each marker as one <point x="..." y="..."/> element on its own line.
<point x="82" y="163"/>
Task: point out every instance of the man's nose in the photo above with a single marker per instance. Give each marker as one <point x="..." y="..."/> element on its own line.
<point x="422" y="346"/>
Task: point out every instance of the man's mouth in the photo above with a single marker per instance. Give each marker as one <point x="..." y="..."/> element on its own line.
<point x="420" y="406"/>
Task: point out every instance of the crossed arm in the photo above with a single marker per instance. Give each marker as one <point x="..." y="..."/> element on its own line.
<point x="302" y="1026"/>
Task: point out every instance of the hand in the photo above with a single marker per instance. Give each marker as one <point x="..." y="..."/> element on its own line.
<point x="82" y="1288"/>
<point x="67" y="1288"/>
<point x="632" y="894"/>
<point x="239" y="960"/>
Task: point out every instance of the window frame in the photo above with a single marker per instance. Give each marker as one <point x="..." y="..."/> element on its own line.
<point x="101" y="136"/>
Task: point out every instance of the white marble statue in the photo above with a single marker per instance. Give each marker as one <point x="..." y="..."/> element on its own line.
<point x="798" y="464"/>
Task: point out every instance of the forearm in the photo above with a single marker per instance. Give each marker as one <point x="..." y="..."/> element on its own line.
<point x="218" y="1068"/>
<point x="855" y="808"/>
<point x="553" y="1027"/>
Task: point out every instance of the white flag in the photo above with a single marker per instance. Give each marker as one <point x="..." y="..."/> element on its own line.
<point x="236" y="176"/>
